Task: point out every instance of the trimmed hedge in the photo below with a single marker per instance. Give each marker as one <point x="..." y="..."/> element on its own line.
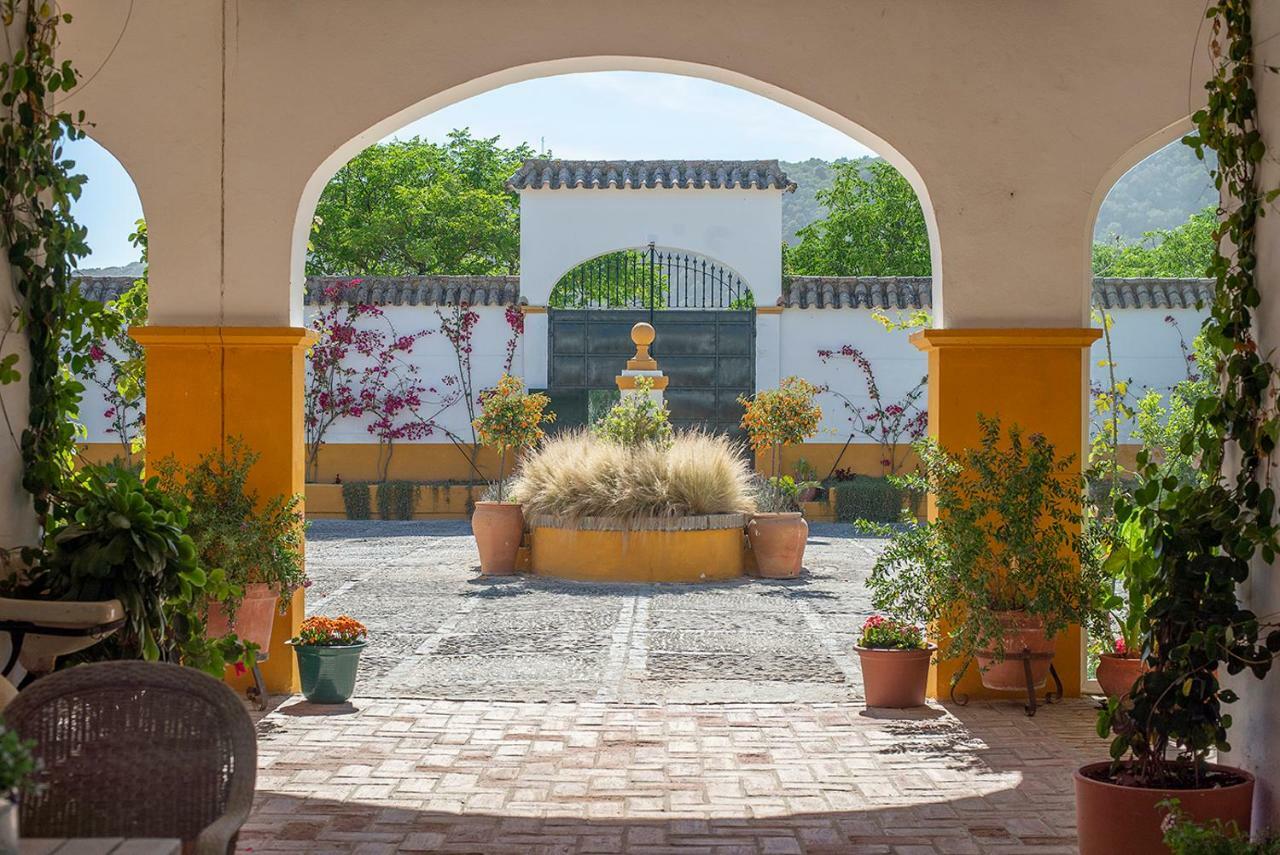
<point x="867" y="498"/>
<point x="355" y="498"/>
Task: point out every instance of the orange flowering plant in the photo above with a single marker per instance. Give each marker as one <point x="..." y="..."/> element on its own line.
<point x="509" y="418"/>
<point x="319" y="631"/>
<point x="783" y="416"/>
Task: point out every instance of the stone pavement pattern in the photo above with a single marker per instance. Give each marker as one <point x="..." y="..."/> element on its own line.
<point x="438" y="629"/>
<point x="526" y="716"/>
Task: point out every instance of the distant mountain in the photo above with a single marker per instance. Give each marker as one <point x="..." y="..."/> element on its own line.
<point x="1159" y="193"/>
<point x="133" y="269"/>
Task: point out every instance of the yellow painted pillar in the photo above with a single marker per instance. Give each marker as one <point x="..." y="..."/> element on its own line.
<point x="1035" y="378"/>
<point x="205" y="384"/>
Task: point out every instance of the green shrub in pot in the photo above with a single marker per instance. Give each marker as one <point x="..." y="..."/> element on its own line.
<point x="232" y="529"/>
<point x="1005" y="541"/>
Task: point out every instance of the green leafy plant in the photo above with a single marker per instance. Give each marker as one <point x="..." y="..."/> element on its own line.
<point x="44" y="243"/>
<point x="396" y="499"/>
<point x="787" y="415"/>
<point x="1185" y="836"/>
<point x="1205" y="534"/>
<point x="636" y="418"/>
<point x="233" y="530"/>
<point x="1003" y="539"/>
<point x="511" y="418"/>
<point x="124" y="539"/>
<point x="884" y="633"/>
<point x="17" y="764"/>
<point x="777" y="495"/>
<point x="356" y="500"/>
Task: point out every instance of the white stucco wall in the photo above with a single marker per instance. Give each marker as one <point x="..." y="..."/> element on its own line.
<point x="1145" y="347"/>
<point x="741" y="229"/>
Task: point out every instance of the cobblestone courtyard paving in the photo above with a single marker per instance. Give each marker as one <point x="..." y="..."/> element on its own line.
<point x="528" y="716"/>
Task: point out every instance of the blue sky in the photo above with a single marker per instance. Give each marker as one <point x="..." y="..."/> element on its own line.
<point x="625" y="115"/>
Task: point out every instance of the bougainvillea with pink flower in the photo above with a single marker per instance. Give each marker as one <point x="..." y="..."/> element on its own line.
<point x="891" y="425"/>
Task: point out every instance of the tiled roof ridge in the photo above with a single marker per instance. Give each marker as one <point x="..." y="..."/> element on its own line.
<point x="556" y="174"/>
<point x="798" y="292"/>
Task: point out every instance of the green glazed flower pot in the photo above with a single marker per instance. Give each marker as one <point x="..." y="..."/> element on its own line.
<point x="328" y="672"/>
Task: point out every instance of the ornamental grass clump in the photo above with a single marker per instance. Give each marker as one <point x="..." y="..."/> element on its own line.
<point x="578" y="475"/>
<point x="510" y="418"/>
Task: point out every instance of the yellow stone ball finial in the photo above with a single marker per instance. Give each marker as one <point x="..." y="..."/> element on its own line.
<point x="642" y="334"/>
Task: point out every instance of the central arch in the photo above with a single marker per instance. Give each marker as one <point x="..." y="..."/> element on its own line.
<point x="571" y="65"/>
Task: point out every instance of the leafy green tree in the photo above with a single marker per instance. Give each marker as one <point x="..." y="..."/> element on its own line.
<point x="1178" y="252"/>
<point x="414" y="207"/>
<point x="874" y="227"/>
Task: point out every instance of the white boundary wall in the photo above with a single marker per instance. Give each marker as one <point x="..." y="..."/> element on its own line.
<point x="1145" y="344"/>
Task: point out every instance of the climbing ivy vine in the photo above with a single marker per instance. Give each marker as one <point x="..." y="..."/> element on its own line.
<point x="1205" y="534"/>
<point x="44" y="243"/>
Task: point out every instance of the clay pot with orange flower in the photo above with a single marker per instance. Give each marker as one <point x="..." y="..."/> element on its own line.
<point x="510" y="419"/>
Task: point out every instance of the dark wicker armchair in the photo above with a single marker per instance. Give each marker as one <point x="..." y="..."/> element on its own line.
<point x="137" y="749"/>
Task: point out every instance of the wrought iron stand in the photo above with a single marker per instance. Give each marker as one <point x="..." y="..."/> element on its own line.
<point x="257" y="693"/>
<point x="1026" y="657"/>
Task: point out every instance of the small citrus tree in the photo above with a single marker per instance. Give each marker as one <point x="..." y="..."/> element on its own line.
<point x="510" y="418"/>
<point x="783" y="416"/>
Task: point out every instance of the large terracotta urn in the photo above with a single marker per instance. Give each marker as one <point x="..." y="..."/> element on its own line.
<point x="777" y="541"/>
<point x="1019" y="632"/>
<point x="253" y="620"/>
<point x="498" y="528"/>
<point x="1111" y="818"/>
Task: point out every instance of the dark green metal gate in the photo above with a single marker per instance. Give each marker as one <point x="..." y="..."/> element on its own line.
<point x="709" y="356"/>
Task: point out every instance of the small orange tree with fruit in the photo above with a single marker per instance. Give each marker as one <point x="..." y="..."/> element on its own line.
<point x="783" y="416"/>
<point x="510" y="418"/>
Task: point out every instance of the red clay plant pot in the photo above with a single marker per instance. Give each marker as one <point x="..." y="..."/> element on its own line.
<point x="1021" y="631"/>
<point x="777" y="542"/>
<point x="1117" y="674"/>
<point x="895" y="678"/>
<point x="498" y="528"/>
<point x="253" y="620"/>
<point x="1111" y="818"/>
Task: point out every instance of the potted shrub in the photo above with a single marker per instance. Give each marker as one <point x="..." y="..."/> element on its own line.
<point x="510" y="418"/>
<point x="328" y="651"/>
<point x="1001" y="543"/>
<point x="773" y="418"/>
<point x="777" y="531"/>
<point x="807" y="484"/>
<point x="16" y="769"/>
<point x="895" y="662"/>
<point x="1124" y="601"/>
<point x="257" y="544"/>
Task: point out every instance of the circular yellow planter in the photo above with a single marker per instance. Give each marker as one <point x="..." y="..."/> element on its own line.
<point x="681" y="549"/>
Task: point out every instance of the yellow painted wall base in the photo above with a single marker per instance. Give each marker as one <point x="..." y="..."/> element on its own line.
<point x="434" y="502"/>
<point x="638" y="556"/>
<point x="1035" y="378"/>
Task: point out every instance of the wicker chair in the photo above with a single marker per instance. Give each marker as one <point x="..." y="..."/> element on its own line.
<point x="137" y="749"/>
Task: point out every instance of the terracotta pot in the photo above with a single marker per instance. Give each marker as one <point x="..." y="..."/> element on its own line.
<point x="777" y="542"/>
<point x="1111" y="818"/>
<point x="498" y="528"/>
<point x="1021" y="632"/>
<point x="1117" y="674"/>
<point x="253" y="619"/>
<point x="895" y="678"/>
<point x="808" y="494"/>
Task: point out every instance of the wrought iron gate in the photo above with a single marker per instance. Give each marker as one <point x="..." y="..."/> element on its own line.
<point x="651" y="278"/>
<point x="710" y="357"/>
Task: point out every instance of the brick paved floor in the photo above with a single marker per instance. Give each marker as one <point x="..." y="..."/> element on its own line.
<point x="518" y="756"/>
